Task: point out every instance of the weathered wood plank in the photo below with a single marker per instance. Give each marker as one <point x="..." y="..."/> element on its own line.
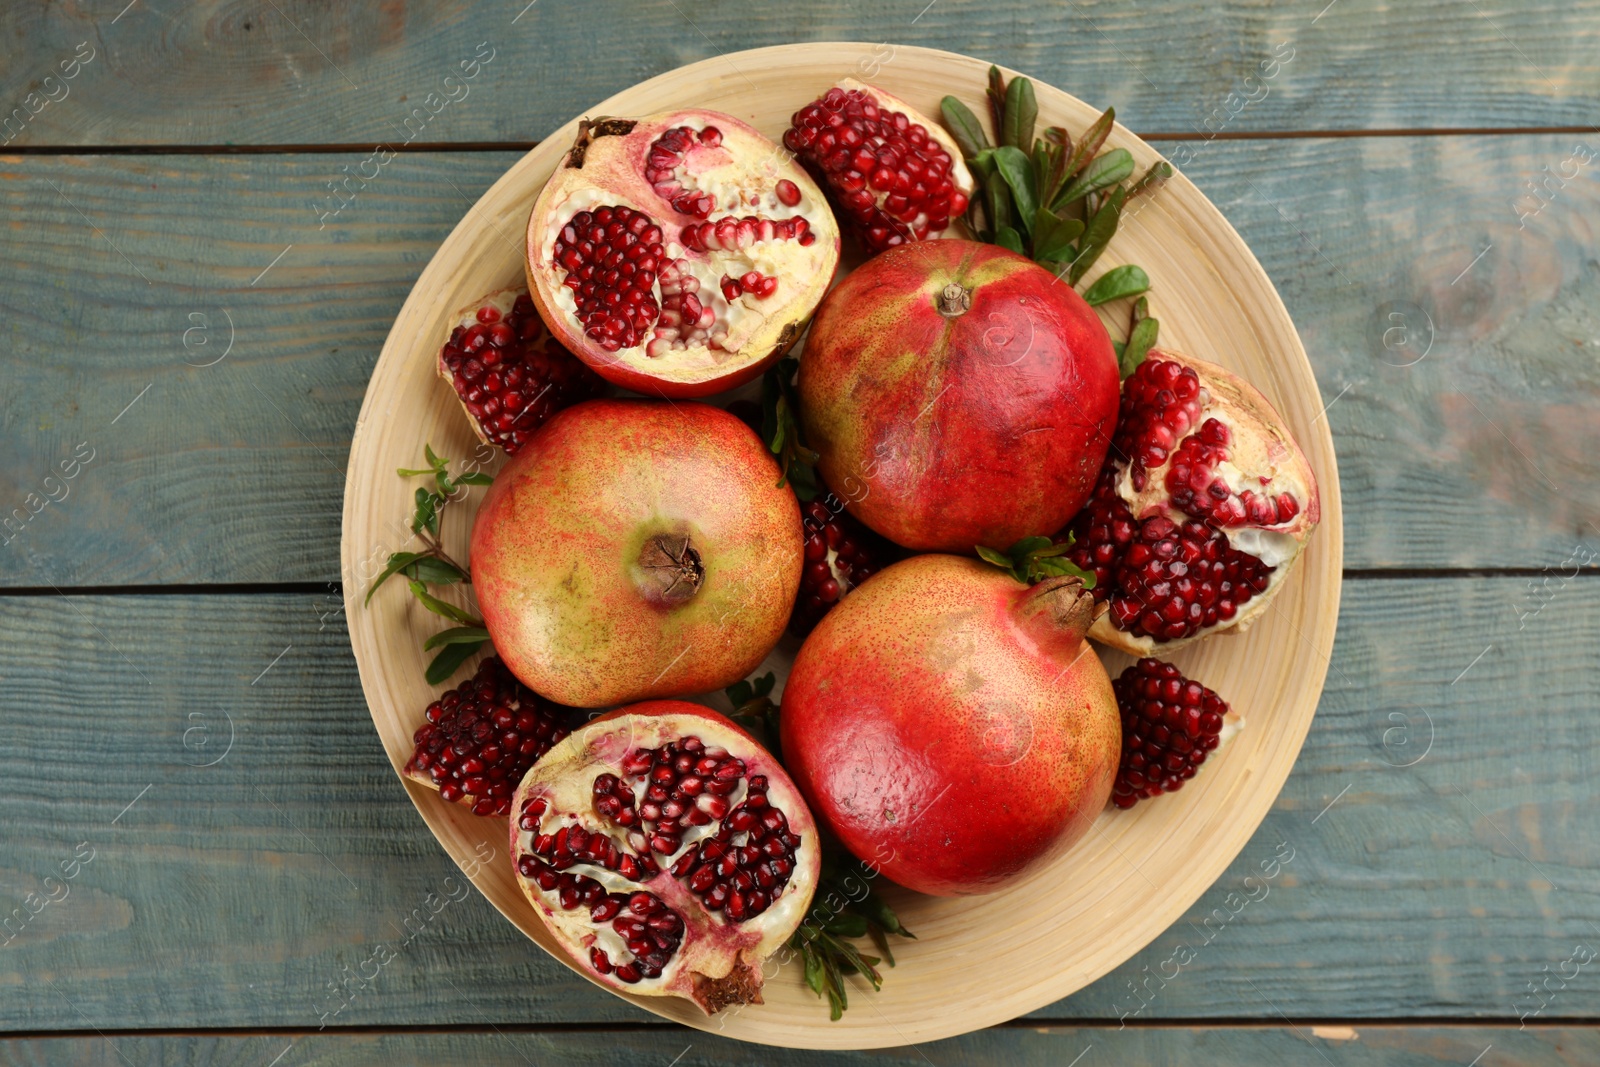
<point x="1356" y="1046"/>
<point x="299" y="73"/>
<point x="1478" y="454"/>
<point x="232" y="895"/>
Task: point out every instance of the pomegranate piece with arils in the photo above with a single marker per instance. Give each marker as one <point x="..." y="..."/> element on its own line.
<point x="841" y="553"/>
<point x="894" y="174"/>
<point x="1203" y="506"/>
<point x="509" y="374"/>
<point x="1169" y="726"/>
<point x="667" y="852"/>
<point x="679" y="254"/>
<point x="481" y="737"/>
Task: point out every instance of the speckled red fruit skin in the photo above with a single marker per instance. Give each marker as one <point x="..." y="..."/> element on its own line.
<point x="949" y="431"/>
<point x="946" y="734"/>
<point x="556" y="550"/>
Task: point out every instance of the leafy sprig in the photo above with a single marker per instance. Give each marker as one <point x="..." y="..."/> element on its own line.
<point x="780" y="429"/>
<point x="1142" y="331"/>
<point x="754" y="709"/>
<point x="434" y="566"/>
<point x="1047" y="197"/>
<point x="1033" y="559"/>
<point x="844" y="908"/>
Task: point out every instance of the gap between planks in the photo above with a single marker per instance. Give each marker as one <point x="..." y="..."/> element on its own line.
<point x="1037" y="1025"/>
<point x="524" y="146"/>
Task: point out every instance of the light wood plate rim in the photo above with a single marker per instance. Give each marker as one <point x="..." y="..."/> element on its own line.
<point x="961" y="974"/>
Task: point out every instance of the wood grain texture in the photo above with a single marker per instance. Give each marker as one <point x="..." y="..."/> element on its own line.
<point x="233" y="472"/>
<point x="217" y="900"/>
<point x="298" y="72"/>
<point x="1270" y="1046"/>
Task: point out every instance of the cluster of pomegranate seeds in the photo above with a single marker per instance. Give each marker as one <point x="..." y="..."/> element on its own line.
<point x="730" y="233"/>
<point x="651" y="931"/>
<point x="1162" y="580"/>
<point x="1160" y="403"/>
<point x="1194" y="486"/>
<point x="840" y="554"/>
<point x="1169" y="725"/>
<point x="481" y="738"/>
<point x="511" y="375"/>
<point x="738" y="866"/>
<point x="663" y="163"/>
<point x="742" y="880"/>
<point x="753" y="282"/>
<point x="1178" y="580"/>
<point x="886" y="173"/>
<point x="612" y="256"/>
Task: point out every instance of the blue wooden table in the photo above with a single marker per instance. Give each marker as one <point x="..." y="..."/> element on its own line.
<point x="200" y="837"/>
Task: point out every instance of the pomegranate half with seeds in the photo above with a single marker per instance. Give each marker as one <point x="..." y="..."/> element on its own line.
<point x="680" y="254"/>
<point x="1204" y="504"/>
<point x="950" y="725"/>
<point x="508" y="372"/>
<point x="959" y="395"/>
<point x="636" y="549"/>
<point x="895" y="175"/>
<point x="667" y="852"/>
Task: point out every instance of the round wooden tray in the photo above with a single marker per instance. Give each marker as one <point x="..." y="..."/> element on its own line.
<point x="977" y="961"/>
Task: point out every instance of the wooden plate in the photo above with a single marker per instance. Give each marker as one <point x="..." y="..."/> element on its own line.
<point x="977" y="961"/>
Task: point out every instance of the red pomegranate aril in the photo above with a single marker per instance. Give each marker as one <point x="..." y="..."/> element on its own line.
<point x="1169" y="726"/>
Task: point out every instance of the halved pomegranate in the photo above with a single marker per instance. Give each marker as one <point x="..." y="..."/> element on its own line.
<point x="1203" y="506"/>
<point x="679" y="254"/>
<point x="481" y="737"/>
<point x="667" y="852"/>
<point x="894" y="174"/>
<point x="507" y="370"/>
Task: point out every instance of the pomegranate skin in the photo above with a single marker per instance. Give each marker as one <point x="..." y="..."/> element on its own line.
<point x="576" y="550"/>
<point x="950" y="726"/>
<point x="959" y="395"/>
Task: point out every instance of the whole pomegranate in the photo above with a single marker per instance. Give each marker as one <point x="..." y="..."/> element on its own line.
<point x="895" y="175"/>
<point x="959" y="395"/>
<point x="950" y="725"/>
<point x="636" y="548"/>
<point x="1204" y="504"/>
<point x="507" y="371"/>
<point x="679" y="254"/>
<point x="667" y="852"/>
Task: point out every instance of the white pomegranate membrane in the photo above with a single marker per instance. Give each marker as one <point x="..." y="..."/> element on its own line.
<point x="679" y="250"/>
<point x="669" y="854"/>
